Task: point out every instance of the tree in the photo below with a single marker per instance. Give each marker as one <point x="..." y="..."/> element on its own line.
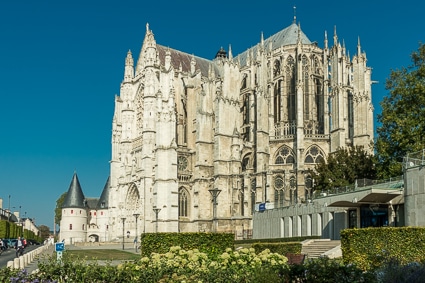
<point x="343" y="167"/>
<point x="44" y="231"/>
<point x="402" y="120"/>
<point x="58" y="209"/>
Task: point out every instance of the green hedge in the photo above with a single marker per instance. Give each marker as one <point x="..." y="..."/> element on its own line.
<point x="9" y="230"/>
<point x="279" y="248"/>
<point x="369" y="248"/>
<point x="210" y="243"/>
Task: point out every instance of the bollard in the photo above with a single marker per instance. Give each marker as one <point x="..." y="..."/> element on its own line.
<point x="26" y="259"/>
<point x="16" y="263"/>
<point x="10" y="264"/>
<point x="21" y="262"/>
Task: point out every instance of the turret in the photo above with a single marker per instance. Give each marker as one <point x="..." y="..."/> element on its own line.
<point x="73" y="224"/>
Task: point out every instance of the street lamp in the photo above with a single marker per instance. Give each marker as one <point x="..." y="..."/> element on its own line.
<point x="135" y="240"/>
<point x="9" y="209"/>
<point x="20" y="220"/>
<point x="214" y="193"/>
<point x="156" y="210"/>
<point x="123" y="221"/>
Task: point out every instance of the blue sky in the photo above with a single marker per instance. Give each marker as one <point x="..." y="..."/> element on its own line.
<point x="62" y="62"/>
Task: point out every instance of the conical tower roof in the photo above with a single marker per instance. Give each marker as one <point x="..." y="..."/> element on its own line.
<point x="74" y="196"/>
<point x="103" y="202"/>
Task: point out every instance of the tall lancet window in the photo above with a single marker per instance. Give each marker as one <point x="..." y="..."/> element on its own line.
<point x="277" y="102"/>
<point x="290" y="89"/>
<point x="306" y="90"/>
<point x="320" y="106"/>
<point x="183" y="202"/>
<point x="246" y="117"/>
<point x="350" y="114"/>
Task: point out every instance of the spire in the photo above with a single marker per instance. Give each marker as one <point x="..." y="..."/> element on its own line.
<point x="326" y="40"/>
<point x="74" y="196"/>
<point x="103" y="202"/>
<point x="129" y="67"/>
<point x="295" y="16"/>
<point x="359" y="49"/>
<point x="192" y="65"/>
<point x="148" y="53"/>
<point x="167" y="63"/>
<point x="335" y="37"/>
<point x="230" y="52"/>
<point x="262" y="40"/>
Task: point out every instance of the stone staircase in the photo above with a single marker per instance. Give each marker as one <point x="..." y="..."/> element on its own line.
<point x="321" y="247"/>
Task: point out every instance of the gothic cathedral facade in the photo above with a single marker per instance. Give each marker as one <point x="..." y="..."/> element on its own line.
<point x="199" y="145"/>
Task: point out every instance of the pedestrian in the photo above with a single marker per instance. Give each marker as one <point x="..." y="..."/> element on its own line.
<point x="19" y="246"/>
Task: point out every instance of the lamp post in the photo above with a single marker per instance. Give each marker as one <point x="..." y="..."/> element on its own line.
<point x="9" y="209"/>
<point x="20" y="220"/>
<point x="214" y="192"/>
<point x="123" y="221"/>
<point x="135" y="240"/>
<point x="156" y="210"/>
<point x="24" y="225"/>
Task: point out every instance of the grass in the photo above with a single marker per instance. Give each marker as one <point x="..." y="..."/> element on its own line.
<point x="106" y="254"/>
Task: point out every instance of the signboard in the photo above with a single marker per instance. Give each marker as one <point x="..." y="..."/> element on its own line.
<point x="59" y="247"/>
<point x="262" y="207"/>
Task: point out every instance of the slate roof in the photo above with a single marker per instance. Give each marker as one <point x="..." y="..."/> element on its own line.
<point x="285" y="37"/>
<point x="92" y="202"/>
<point x="74" y="196"/>
<point x="184" y="59"/>
<point x="103" y="202"/>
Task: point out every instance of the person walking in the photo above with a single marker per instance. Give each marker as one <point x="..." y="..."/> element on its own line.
<point x="19" y="246"/>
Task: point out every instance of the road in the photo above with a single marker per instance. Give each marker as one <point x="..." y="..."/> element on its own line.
<point x="10" y="254"/>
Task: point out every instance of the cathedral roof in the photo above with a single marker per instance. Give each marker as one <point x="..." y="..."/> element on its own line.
<point x="74" y="196"/>
<point x="103" y="202"/>
<point x="285" y="37"/>
<point x="179" y="58"/>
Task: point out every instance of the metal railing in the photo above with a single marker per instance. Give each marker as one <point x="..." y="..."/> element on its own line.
<point x="414" y="159"/>
<point x="395" y="183"/>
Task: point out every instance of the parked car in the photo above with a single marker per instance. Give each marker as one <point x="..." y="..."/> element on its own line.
<point x="8" y="243"/>
<point x="33" y="242"/>
<point x="12" y="243"/>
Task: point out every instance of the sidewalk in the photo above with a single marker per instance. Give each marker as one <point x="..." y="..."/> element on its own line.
<point x="31" y="267"/>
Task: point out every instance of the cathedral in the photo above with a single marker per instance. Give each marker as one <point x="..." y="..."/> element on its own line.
<point x="200" y="145"/>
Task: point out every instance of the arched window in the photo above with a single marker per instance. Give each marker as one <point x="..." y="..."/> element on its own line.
<point x="306" y="90"/>
<point x="183" y="202"/>
<point x="290" y="88"/>
<point x="279" y="190"/>
<point x="313" y="155"/>
<point x="284" y="156"/>
<point x="276" y="68"/>
<point x="277" y="103"/>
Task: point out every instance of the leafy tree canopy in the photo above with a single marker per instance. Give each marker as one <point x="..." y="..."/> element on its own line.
<point x="402" y="121"/>
<point x="58" y="209"/>
<point x="343" y="167"/>
<point x="44" y="231"/>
